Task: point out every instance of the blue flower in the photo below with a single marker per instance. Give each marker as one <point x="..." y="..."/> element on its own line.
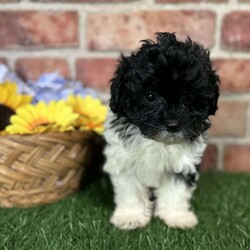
<point x="52" y="86"/>
<point x="49" y="86"/>
<point x="7" y="75"/>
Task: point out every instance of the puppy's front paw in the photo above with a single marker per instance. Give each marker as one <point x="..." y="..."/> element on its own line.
<point x="179" y="219"/>
<point x="129" y="218"/>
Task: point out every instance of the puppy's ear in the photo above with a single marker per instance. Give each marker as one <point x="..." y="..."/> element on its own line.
<point x="214" y="83"/>
<point x="116" y="92"/>
<point x="118" y="86"/>
<point x="212" y="77"/>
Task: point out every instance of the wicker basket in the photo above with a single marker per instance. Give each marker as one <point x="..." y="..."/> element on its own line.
<point x="42" y="168"/>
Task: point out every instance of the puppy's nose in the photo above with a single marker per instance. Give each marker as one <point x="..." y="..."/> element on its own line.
<point x="173" y="126"/>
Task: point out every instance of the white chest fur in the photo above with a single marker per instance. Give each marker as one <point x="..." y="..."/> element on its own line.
<point x="149" y="160"/>
<point x="156" y="160"/>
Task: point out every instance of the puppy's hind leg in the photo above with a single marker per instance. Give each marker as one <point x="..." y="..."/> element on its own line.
<point x="133" y="207"/>
<point x="172" y="202"/>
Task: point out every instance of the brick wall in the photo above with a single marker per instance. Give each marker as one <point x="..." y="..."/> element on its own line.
<point x="83" y="39"/>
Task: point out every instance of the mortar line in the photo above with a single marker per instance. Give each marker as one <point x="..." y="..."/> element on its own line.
<point x="124" y="7"/>
<point x="248" y="121"/>
<point x="216" y="49"/>
<point x="220" y="156"/>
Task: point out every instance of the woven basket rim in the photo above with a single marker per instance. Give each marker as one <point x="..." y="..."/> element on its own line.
<point x="90" y="132"/>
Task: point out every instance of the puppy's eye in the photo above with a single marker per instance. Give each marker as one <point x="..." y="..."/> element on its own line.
<point x="188" y="100"/>
<point x="150" y="97"/>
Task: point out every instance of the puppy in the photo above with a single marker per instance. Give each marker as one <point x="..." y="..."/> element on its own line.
<point x="161" y="97"/>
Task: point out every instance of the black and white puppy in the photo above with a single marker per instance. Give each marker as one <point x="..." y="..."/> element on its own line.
<point x="161" y="97"/>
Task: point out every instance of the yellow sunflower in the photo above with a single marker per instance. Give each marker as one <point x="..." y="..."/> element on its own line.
<point x="9" y="96"/>
<point x="42" y="117"/>
<point x="92" y="112"/>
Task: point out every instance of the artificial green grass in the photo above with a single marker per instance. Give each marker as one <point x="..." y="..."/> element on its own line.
<point x="222" y="203"/>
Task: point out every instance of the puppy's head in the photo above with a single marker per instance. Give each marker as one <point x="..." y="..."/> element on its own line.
<point x="167" y="89"/>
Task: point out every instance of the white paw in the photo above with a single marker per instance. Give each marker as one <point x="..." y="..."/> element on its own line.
<point x="129" y="218"/>
<point x="179" y="219"/>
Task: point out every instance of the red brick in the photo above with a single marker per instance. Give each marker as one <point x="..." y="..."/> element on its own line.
<point x="237" y="158"/>
<point x="123" y="31"/>
<point x="8" y="1"/>
<point x="188" y="1"/>
<point x="210" y="158"/>
<point x="38" y="28"/>
<point x="86" y="1"/>
<point x="235" y="30"/>
<point x="32" y="68"/>
<point x="230" y="119"/>
<point x="3" y="60"/>
<point x="96" y="72"/>
<point x="234" y="74"/>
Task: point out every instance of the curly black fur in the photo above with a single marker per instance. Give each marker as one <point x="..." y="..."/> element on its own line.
<point x="168" y="85"/>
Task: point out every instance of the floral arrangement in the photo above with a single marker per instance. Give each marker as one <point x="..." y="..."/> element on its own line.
<point x="50" y="104"/>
